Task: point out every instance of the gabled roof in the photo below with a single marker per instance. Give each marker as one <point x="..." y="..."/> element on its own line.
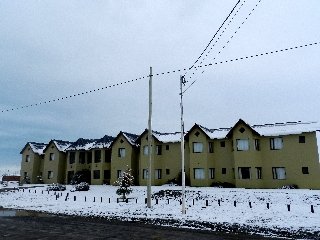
<point x="60" y="145"/>
<point x="130" y="137"/>
<point x="287" y="128"/>
<point x="35" y="147"/>
<point x="216" y="133"/>
<point x="81" y="144"/>
<point x="229" y="135"/>
<point x="163" y="137"/>
<point x="88" y="144"/>
<point x="274" y="129"/>
<point x="103" y="142"/>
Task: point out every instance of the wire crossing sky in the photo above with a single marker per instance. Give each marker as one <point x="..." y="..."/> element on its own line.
<point x="158" y="74"/>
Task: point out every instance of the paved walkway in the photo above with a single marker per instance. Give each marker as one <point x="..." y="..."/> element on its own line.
<point x="67" y="227"/>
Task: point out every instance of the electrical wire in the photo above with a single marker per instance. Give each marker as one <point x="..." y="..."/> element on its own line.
<point x="232" y="36"/>
<point x="163" y="73"/>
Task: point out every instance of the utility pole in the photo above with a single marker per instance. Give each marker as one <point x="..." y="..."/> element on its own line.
<point x="182" y="82"/>
<point x="149" y="141"/>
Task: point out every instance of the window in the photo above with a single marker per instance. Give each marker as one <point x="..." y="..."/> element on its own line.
<point x="279" y="173"/>
<point x="72" y="157"/>
<point x="197" y="134"/>
<point x="305" y="170"/>
<point x="197" y="147"/>
<point x="121" y="152"/>
<point x="89" y="157"/>
<point x="106" y="174"/>
<point x="222" y="144"/>
<point x="82" y="157"/>
<point x="198" y="173"/>
<point x="257" y="144"/>
<point x="119" y="173"/>
<point x="97" y="156"/>
<point x="168" y="171"/>
<point x="167" y="147"/>
<point x="159" y="149"/>
<point x="145" y="150"/>
<point x="259" y="172"/>
<point x="211" y="173"/>
<point x="25" y="174"/>
<point x="96" y="174"/>
<point x="51" y="157"/>
<point x="210" y="147"/>
<point x="145" y="174"/>
<point x="27" y="158"/>
<point x="70" y="176"/>
<point x="244" y="172"/>
<point x="302" y="139"/>
<point x="276" y="143"/>
<point x="157" y="173"/>
<point x="223" y="171"/>
<point x="242" y="144"/>
<point x="107" y="155"/>
<point x="242" y="130"/>
<point x="50" y="174"/>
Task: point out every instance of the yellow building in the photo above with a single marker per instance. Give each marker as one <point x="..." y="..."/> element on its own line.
<point x="55" y="157"/>
<point x="245" y="156"/>
<point x="258" y="156"/>
<point x="32" y="162"/>
<point x="125" y="155"/>
<point x="166" y="157"/>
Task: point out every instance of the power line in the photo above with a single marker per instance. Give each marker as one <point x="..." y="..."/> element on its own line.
<point x="216" y="33"/>
<point x="232" y="36"/>
<point x="73" y="95"/>
<point x="163" y="73"/>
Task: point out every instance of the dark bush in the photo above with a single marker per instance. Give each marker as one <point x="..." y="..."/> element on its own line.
<point x="290" y="186"/>
<point x="82" y="187"/>
<point x="56" y="187"/>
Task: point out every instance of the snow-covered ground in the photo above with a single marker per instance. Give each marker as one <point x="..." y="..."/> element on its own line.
<point x="167" y="208"/>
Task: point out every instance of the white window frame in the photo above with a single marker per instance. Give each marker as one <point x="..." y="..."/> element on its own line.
<point x="259" y="172"/>
<point x="145" y="174"/>
<point x="199" y="173"/>
<point x="145" y="150"/>
<point x="158" y="173"/>
<point x="242" y="144"/>
<point x="51" y="156"/>
<point x="276" y="143"/>
<point x="279" y="173"/>
<point x="211" y="173"/>
<point x="119" y="173"/>
<point x="50" y="174"/>
<point x="122" y="152"/>
<point x="159" y="149"/>
<point x="197" y="147"/>
<point x="240" y="172"/>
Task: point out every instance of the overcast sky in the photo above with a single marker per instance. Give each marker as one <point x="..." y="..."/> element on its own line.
<point x="51" y="49"/>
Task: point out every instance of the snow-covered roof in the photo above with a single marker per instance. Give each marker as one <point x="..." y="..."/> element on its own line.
<point x="103" y="142"/>
<point x="131" y="138"/>
<point x="62" y="145"/>
<point x="82" y="144"/>
<point x="274" y="129"/>
<point x="167" y="137"/>
<point x="217" y="133"/>
<point x="88" y="144"/>
<point x="37" y="147"/>
<point x="288" y="128"/>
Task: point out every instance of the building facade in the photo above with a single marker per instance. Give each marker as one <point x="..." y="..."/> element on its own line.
<point x="245" y="156"/>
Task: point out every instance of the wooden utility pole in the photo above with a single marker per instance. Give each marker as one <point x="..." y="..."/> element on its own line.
<point x="149" y="141"/>
<point x="182" y="82"/>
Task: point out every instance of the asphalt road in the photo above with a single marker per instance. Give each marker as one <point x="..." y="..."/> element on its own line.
<point x="68" y="227"/>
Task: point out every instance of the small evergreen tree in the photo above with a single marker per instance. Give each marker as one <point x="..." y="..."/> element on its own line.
<point x="125" y="182"/>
